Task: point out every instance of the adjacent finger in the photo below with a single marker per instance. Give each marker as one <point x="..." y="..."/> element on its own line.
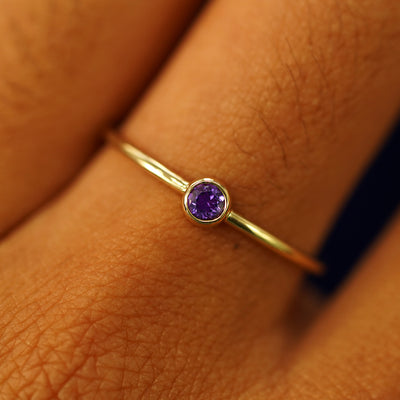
<point x="147" y="299"/>
<point x="67" y="69"/>
<point x="353" y="352"/>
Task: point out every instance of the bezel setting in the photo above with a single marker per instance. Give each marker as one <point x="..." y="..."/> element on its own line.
<point x="202" y="203"/>
<point x="221" y="188"/>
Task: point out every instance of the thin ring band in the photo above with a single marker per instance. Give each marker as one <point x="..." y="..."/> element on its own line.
<point x="212" y="205"/>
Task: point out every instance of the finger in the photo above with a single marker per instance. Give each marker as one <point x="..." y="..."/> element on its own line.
<point x="148" y="299"/>
<point x="67" y="70"/>
<point x="354" y="350"/>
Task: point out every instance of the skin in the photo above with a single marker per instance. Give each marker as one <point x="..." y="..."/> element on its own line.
<point x="106" y="290"/>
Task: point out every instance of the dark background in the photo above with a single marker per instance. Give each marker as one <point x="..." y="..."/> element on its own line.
<point x="365" y="214"/>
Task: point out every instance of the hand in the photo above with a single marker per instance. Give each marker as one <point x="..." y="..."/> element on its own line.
<point x="106" y="290"/>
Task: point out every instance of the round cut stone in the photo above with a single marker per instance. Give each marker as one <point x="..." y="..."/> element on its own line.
<point x="206" y="201"/>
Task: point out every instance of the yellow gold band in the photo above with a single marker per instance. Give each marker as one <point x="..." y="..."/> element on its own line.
<point x="226" y="213"/>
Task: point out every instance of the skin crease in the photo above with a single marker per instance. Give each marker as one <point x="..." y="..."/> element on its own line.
<point x="108" y="292"/>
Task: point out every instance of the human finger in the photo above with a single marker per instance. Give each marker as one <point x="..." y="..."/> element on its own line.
<point x="148" y="299"/>
<point x="69" y="68"/>
<point x="353" y="350"/>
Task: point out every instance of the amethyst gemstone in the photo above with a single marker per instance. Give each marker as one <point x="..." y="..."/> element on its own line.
<point x="206" y="201"/>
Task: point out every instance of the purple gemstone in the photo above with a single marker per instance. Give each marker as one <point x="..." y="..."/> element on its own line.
<point x="206" y="201"/>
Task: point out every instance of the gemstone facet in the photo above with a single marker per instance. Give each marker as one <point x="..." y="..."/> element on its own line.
<point x="206" y="201"/>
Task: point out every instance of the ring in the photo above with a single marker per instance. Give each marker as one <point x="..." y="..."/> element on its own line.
<point x="207" y="202"/>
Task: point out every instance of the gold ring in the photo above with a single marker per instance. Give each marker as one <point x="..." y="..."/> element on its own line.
<point x="207" y="202"/>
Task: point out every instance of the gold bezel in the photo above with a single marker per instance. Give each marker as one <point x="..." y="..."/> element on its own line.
<point x="211" y="221"/>
<point x="235" y="220"/>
